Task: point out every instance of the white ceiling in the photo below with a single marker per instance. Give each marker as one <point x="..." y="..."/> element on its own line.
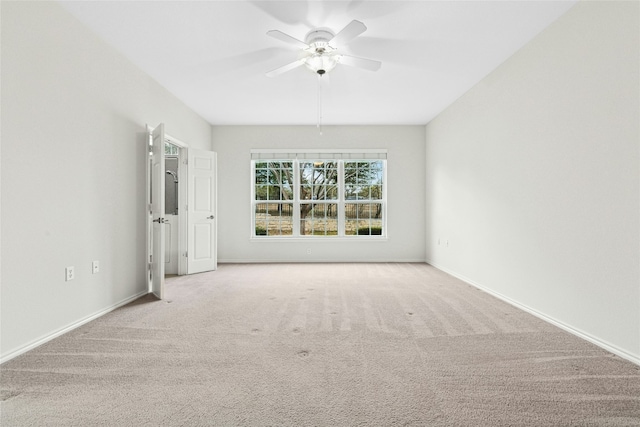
<point x="213" y="55"/>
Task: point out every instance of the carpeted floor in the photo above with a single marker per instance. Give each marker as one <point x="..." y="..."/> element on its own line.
<point x="319" y="345"/>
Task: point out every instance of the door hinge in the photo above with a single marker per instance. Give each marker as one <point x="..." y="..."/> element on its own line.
<point x="186" y="254"/>
<point x="150" y="260"/>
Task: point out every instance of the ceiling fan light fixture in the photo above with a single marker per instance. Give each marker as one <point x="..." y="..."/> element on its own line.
<point x="321" y="63"/>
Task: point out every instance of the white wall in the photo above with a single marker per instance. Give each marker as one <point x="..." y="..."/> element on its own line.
<point x="73" y="171"/>
<point x="533" y="177"/>
<point x="406" y="189"/>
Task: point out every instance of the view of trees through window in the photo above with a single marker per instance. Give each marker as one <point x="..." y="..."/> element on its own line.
<point x="170" y="149"/>
<point x="318" y="198"/>
<point x="274" y="191"/>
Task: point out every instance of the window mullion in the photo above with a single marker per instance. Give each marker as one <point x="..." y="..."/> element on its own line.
<point x="384" y="198"/>
<point x="296" y="198"/>
<point x="253" y="198"/>
<point x="341" y="191"/>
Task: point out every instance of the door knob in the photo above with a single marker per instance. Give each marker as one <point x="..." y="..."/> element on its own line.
<point x="210" y="217"/>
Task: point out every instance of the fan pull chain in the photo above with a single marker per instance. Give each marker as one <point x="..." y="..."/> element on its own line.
<point x="320" y="104"/>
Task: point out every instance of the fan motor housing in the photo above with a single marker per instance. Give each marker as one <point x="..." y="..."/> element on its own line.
<point x="319" y="38"/>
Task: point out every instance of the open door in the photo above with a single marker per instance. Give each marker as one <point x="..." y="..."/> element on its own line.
<point x="157" y="166"/>
<point x="201" y="212"/>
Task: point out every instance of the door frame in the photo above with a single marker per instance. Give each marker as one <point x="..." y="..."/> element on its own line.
<point x="182" y="202"/>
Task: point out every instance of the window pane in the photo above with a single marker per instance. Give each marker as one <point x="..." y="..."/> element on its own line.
<point x="318" y="180"/>
<point x="350" y="173"/>
<point x="350" y="192"/>
<point x="280" y="176"/>
<point x="287" y="192"/>
<point x="324" y="192"/>
<point x="274" y="192"/>
<point x="363" y="219"/>
<point x="319" y="219"/>
<point x="262" y="176"/>
<point x="273" y="180"/>
<point x="364" y="192"/>
<point x="170" y="149"/>
<point x="376" y="192"/>
<point x="317" y="192"/>
<point x="350" y="227"/>
<point x="261" y="219"/>
<point x="362" y="176"/>
<point x="363" y="180"/>
<point x="274" y="219"/>
<point x="261" y="192"/>
<point x="332" y="192"/>
<point x="350" y="165"/>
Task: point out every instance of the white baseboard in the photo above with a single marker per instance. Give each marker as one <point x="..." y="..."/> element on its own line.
<point x="574" y="331"/>
<point x="64" y="330"/>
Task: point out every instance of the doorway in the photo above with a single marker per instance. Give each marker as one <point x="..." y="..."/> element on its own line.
<point x="181" y="220"/>
<point x="172" y="188"/>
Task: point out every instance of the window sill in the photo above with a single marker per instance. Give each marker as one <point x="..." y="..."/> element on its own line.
<point x="361" y="239"/>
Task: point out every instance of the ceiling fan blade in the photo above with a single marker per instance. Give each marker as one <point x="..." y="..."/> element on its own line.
<point x="287" y="38"/>
<point x="414" y="53"/>
<point x="236" y="63"/>
<point x="367" y="64"/>
<point x="285" y="68"/>
<point x="348" y="33"/>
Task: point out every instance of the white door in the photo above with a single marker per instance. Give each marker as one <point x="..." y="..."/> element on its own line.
<point x="157" y="164"/>
<point x="201" y="211"/>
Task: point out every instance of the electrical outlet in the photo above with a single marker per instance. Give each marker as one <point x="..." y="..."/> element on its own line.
<point x="308" y="251"/>
<point x="69" y="273"/>
<point x="95" y="267"/>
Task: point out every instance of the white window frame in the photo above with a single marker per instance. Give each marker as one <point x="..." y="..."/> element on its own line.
<point x="339" y="156"/>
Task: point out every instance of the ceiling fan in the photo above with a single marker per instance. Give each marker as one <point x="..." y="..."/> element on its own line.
<point x="320" y="50"/>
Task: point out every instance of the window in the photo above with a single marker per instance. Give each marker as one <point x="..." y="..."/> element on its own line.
<point x="318" y="186"/>
<point x="318" y="194"/>
<point x="273" y="197"/>
<point x="363" y="194"/>
<point x="170" y="149"/>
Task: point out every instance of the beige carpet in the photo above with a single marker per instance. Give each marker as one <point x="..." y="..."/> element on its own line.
<point x="319" y="345"/>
